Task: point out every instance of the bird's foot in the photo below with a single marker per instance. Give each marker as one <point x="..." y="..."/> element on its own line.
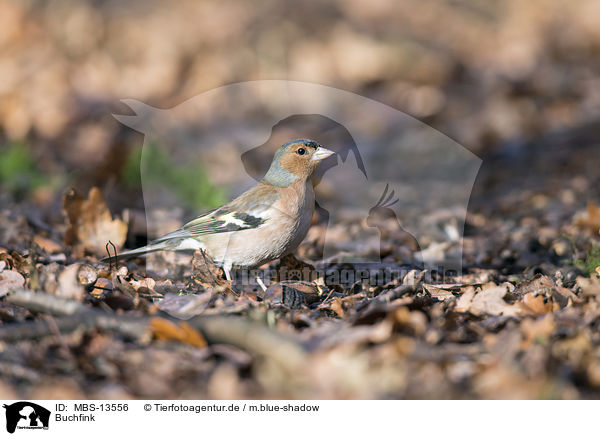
<point x="261" y="283"/>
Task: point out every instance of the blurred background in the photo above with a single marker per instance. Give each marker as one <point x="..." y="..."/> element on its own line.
<point x="511" y="81"/>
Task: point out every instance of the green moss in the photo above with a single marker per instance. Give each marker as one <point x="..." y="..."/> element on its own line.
<point x="18" y="171"/>
<point x="591" y="261"/>
<point x="188" y="182"/>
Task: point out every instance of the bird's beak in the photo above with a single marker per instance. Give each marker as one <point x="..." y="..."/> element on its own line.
<point x="322" y="153"/>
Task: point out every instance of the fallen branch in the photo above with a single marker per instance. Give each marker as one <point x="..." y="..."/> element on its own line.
<point x="43" y="302"/>
<point x="393" y="294"/>
<point x="253" y="337"/>
<point x="386" y="297"/>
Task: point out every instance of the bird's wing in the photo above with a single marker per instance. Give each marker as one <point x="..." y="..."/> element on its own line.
<point x="248" y="211"/>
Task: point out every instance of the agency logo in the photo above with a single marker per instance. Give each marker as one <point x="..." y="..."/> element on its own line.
<point x="394" y="195"/>
<point x="24" y="415"/>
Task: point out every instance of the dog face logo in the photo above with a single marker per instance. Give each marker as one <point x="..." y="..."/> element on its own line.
<point x="26" y="415"/>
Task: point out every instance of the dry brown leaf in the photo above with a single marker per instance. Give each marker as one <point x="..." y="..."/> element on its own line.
<point x="206" y="274"/>
<point x="413" y="277"/>
<point x="101" y="288"/>
<point x="488" y="301"/>
<point x="147" y="282"/>
<point x="9" y="280"/>
<point x="455" y="287"/>
<point x="589" y="287"/>
<point x="590" y="220"/>
<point x="573" y="348"/>
<point x="185" y="306"/>
<point x="89" y="222"/>
<point x="564" y="296"/>
<point x="337" y="306"/>
<point x="182" y="332"/>
<point x="438" y="293"/>
<point x="414" y="320"/>
<point x="537" y="305"/>
<point x="69" y="282"/>
<point x="538" y="329"/>
<point x="68" y="285"/>
<point x="444" y="291"/>
<point x="537" y="284"/>
<point x="293" y="269"/>
<point x="293" y="294"/>
<point x="48" y="245"/>
<point x="464" y="302"/>
<point x="87" y="275"/>
<point x="542" y="284"/>
<point x="22" y="264"/>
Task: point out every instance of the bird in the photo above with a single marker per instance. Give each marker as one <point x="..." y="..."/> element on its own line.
<point x="263" y="224"/>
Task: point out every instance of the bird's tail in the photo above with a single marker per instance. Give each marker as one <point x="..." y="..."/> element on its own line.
<point x="150" y="248"/>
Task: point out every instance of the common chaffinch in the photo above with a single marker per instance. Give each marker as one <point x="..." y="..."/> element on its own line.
<point x="265" y="223"/>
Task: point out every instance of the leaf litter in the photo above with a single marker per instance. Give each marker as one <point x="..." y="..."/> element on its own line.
<point x="488" y="333"/>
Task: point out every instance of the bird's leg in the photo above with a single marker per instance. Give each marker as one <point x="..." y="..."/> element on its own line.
<point x="261" y="283"/>
<point x="227" y="265"/>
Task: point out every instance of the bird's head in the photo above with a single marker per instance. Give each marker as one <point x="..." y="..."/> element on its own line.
<point x="295" y="160"/>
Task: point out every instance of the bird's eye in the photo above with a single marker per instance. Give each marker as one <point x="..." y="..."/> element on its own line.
<point x="301" y="151"/>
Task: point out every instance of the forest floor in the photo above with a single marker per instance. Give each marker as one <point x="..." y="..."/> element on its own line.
<point x="520" y="321"/>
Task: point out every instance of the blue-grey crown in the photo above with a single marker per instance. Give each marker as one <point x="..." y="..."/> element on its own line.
<point x="307" y="142"/>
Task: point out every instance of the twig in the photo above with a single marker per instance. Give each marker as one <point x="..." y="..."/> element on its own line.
<point x="110" y="268"/>
<point x="328" y="295"/>
<point x="127" y="326"/>
<point x="253" y="337"/>
<point x="9" y="369"/>
<point x="42" y="302"/>
<point x="392" y="294"/>
<point x="386" y="297"/>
